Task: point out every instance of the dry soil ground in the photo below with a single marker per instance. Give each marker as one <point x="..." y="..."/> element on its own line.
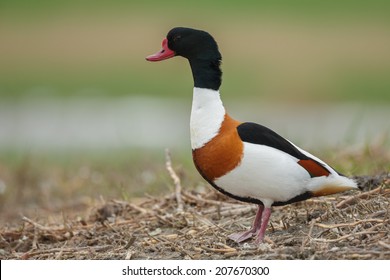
<point x="195" y="224"/>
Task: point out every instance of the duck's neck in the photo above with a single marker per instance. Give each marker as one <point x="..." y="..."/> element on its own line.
<point x="207" y="115"/>
<point x="207" y="73"/>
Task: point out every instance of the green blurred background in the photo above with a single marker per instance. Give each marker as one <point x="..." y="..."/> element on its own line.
<point x="300" y="51"/>
<point x="82" y="113"/>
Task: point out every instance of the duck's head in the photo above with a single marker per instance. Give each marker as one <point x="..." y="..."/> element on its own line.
<point x="189" y="43"/>
<point x="201" y="50"/>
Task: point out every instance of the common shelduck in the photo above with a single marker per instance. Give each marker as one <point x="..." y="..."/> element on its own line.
<point x="244" y="160"/>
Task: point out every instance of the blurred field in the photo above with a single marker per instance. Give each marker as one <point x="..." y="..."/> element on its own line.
<point x="307" y="51"/>
<point x="296" y="53"/>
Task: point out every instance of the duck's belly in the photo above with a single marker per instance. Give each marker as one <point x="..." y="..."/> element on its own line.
<point x="265" y="174"/>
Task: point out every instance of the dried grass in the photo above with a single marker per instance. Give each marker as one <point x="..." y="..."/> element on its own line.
<point x="195" y="225"/>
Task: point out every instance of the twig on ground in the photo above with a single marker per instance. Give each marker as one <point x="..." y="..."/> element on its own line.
<point x="178" y="248"/>
<point x="35" y="239"/>
<point x="370" y="231"/>
<point x="350" y="224"/>
<point x="387" y="246"/>
<point x="36" y="225"/>
<point x="129" y="254"/>
<point x="353" y="199"/>
<point x="65" y="250"/>
<point x="176" y="181"/>
<point x="304" y="242"/>
<point x="207" y="201"/>
<point x="219" y="250"/>
<point x="61" y="251"/>
<point x="135" y="207"/>
<point x="238" y="211"/>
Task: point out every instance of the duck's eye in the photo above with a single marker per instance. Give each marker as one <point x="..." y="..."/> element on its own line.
<point x="176" y="38"/>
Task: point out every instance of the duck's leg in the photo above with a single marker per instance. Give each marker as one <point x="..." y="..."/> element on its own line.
<point x="265" y="219"/>
<point x="241" y="236"/>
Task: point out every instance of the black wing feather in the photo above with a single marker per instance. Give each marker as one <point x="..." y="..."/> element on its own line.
<point x="258" y="134"/>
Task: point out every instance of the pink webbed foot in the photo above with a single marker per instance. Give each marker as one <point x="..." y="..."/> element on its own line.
<point x="244" y="235"/>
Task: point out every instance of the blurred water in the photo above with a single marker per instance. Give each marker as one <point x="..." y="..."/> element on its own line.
<point x="158" y="123"/>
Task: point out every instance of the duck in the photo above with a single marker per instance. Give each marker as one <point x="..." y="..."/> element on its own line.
<point x="246" y="161"/>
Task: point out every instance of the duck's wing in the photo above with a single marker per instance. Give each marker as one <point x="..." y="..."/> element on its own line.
<point x="258" y="134"/>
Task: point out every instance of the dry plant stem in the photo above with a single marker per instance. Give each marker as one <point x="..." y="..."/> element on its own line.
<point x="370" y="231"/>
<point x="387" y="246"/>
<point x="35" y="239"/>
<point x="65" y="250"/>
<point x="350" y="224"/>
<point x="219" y="250"/>
<point x="35" y="224"/>
<point x="352" y="199"/>
<point x="238" y="212"/>
<point x="133" y="206"/>
<point x="61" y="251"/>
<point x="308" y="235"/>
<point x="178" y="248"/>
<point x="229" y="209"/>
<point x="176" y="180"/>
<point x="208" y="201"/>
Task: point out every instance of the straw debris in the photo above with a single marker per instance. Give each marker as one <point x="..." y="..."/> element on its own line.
<point x="190" y="224"/>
